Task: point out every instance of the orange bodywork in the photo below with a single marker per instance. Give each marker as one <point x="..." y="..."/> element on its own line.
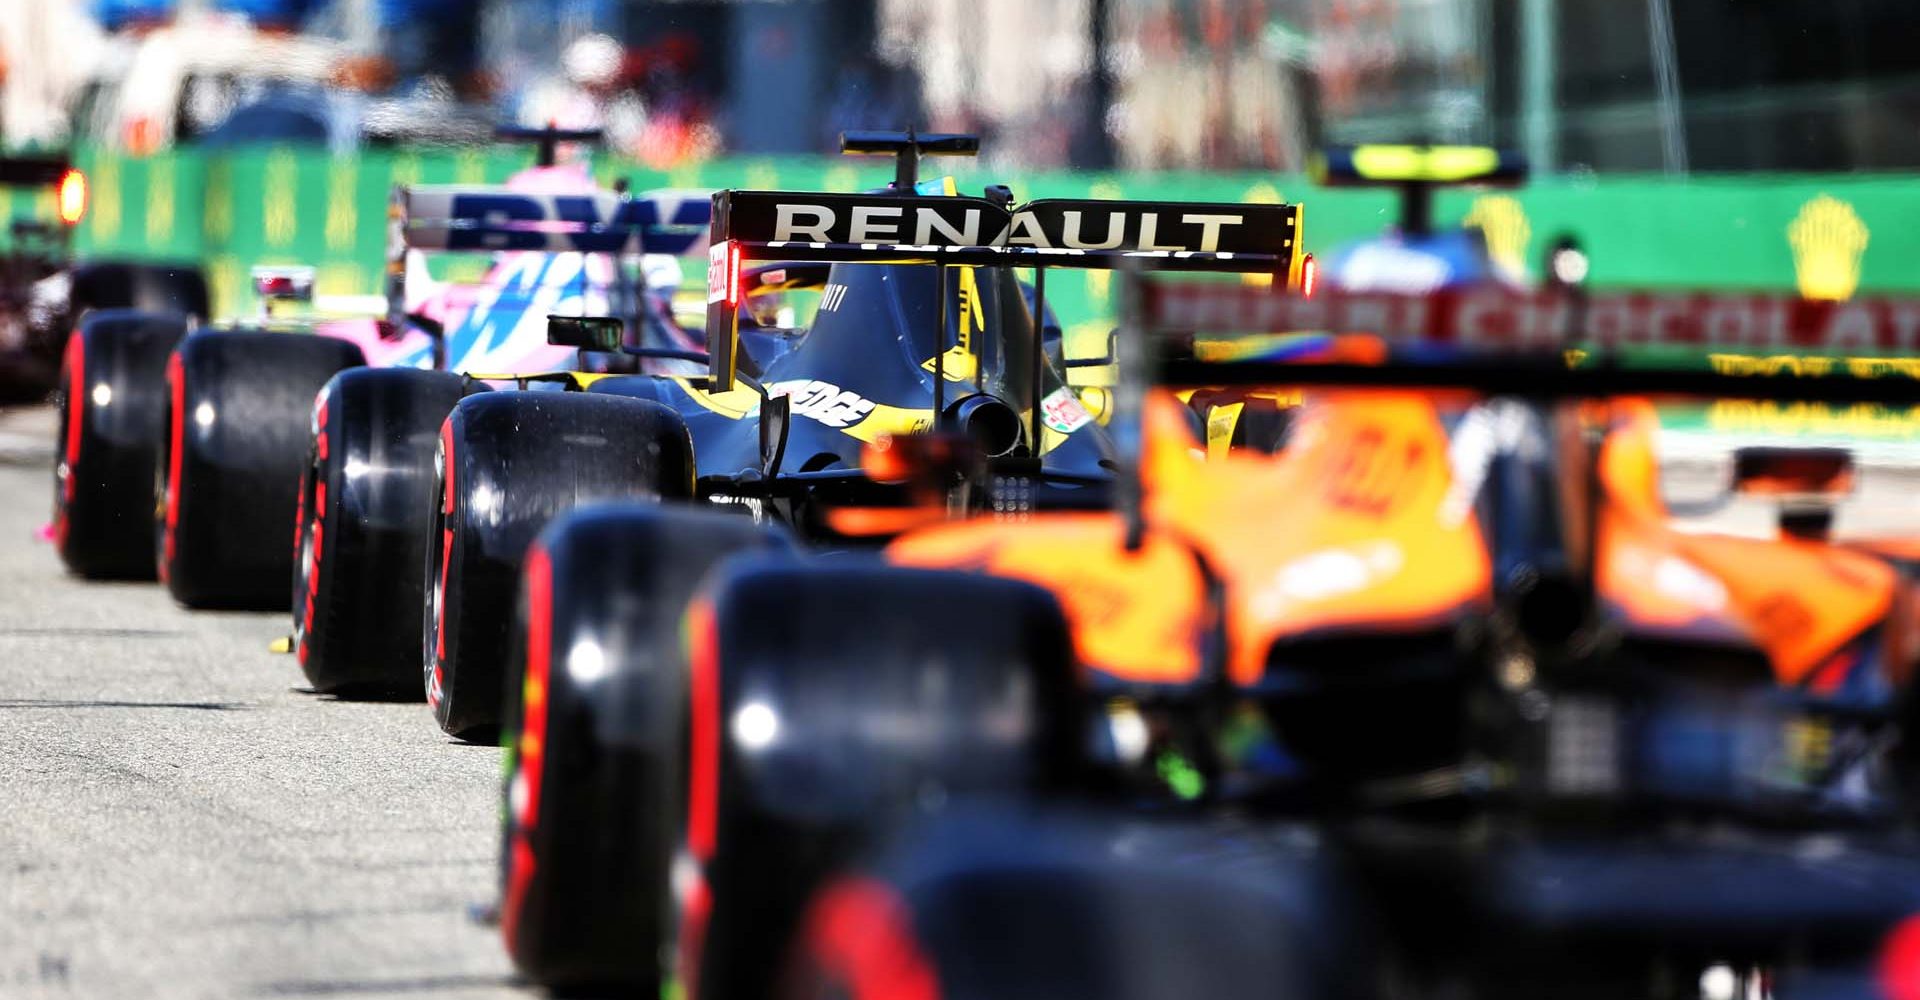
<point x="1797" y="601"/>
<point x="1352" y="525"/>
<point x="1358" y="524"/>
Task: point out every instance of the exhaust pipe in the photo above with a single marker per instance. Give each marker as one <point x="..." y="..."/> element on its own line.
<point x="987" y="421"/>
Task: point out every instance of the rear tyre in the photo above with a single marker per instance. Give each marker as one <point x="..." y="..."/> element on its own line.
<point x="239" y="417"/>
<point x="508" y="463"/>
<point x="112" y="404"/>
<point x="595" y="737"/>
<point x="175" y="289"/>
<point x="360" y="533"/>
<point x="828" y="705"/>
<point x="640" y="827"/>
<point x="1048" y="903"/>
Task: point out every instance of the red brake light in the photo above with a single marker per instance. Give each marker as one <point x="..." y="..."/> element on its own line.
<point x="1308" y="273"/>
<point x="73" y="196"/>
<point x="1900" y="961"/>
<point x="733" y="274"/>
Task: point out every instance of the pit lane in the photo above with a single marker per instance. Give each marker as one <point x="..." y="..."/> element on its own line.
<point x="178" y="820"/>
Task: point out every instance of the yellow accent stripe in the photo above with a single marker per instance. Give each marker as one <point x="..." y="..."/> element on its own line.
<point x="1294" y="275"/>
<point x="734" y="404"/>
<point x="581" y="379"/>
<point x="886" y="419"/>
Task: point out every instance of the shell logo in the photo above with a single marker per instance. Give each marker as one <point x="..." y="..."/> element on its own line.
<point x="1507" y="230"/>
<point x="1828" y="240"/>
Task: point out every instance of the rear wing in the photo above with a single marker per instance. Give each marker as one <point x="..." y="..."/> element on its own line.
<point x="889" y="228"/>
<point x="456" y="218"/>
<point x="1556" y="342"/>
<point x="1415" y="171"/>
<point x="487" y="219"/>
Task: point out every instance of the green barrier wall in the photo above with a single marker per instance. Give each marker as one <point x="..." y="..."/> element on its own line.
<point x="1827" y="234"/>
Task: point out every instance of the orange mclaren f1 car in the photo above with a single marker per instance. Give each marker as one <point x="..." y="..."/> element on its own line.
<point x="1410" y="656"/>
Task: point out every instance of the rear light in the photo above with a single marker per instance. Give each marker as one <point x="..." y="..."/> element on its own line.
<point x="1309" y="273"/>
<point x="1899" y="971"/>
<point x="733" y="274"/>
<point x="73" y="196"/>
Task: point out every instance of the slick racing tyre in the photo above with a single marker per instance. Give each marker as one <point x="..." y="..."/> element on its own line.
<point x="112" y="404"/>
<point x="174" y="289"/>
<point x="239" y="413"/>
<point x="594" y="737"/>
<point x="508" y="463"/>
<point x="993" y="903"/>
<point x="822" y="704"/>
<point x="360" y="532"/>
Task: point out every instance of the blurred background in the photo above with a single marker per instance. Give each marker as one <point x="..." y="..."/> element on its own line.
<point x="1683" y="143"/>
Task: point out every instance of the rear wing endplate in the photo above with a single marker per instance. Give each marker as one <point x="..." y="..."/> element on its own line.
<point x="887" y="228"/>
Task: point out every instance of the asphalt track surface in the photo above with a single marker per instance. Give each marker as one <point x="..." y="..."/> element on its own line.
<point x="179" y="819"/>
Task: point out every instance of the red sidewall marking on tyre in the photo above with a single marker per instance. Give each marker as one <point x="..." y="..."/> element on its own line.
<point x="694" y="915"/>
<point x="859" y="932"/>
<point x="703" y="781"/>
<point x="1898" y="969"/>
<point x="436" y="690"/>
<point x="76" y="361"/>
<point x="530" y="754"/>
<point x="320" y="446"/>
<point x="703" y="749"/>
<point x="176" y="437"/>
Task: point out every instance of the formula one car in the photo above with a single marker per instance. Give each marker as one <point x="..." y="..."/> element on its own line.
<point x="44" y="290"/>
<point x="220" y="426"/>
<point x="364" y="464"/>
<point x="599" y="682"/>
<point x="780" y="422"/>
<point x="1492" y="598"/>
<point x="1415" y="256"/>
<point x="1453" y="625"/>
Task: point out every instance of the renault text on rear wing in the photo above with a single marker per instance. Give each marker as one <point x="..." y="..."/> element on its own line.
<point x="974" y="232"/>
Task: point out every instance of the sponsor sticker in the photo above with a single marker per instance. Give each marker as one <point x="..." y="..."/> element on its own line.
<point x="1061" y="411"/>
<point x="823" y="401"/>
<point x="716" y="273"/>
